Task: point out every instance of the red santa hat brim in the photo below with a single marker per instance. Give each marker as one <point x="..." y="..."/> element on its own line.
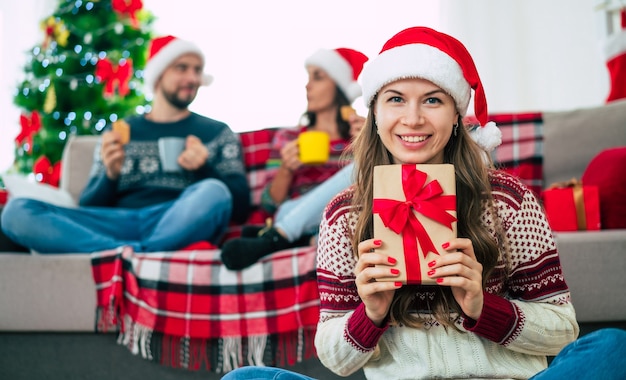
<point x="165" y="56"/>
<point x="416" y="61"/>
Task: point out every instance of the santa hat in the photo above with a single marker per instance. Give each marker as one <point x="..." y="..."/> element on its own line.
<point x="163" y="51"/>
<point x="343" y="65"/>
<point x="421" y="52"/>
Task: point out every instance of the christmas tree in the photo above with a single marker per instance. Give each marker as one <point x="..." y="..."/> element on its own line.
<point x="84" y="75"/>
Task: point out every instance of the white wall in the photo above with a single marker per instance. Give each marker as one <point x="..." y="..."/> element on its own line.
<point x="256" y="48"/>
<point x="533" y="55"/>
<point x="19" y="31"/>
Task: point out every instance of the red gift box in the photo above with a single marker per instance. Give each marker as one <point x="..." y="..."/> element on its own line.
<point x="414" y="214"/>
<point x="3" y="197"/>
<point x="570" y="206"/>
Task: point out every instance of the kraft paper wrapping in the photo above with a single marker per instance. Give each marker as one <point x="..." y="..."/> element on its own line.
<point x="431" y="189"/>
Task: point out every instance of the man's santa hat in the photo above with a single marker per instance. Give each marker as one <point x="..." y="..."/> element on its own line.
<point x="421" y="52"/>
<point x="163" y="51"/>
<point x="343" y="65"/>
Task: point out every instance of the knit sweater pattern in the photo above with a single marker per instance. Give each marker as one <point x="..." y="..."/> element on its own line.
<point x="143" y="182"/>
<point x="527" y="314"/>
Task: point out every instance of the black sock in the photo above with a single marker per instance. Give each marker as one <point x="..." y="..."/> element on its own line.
<point x="242" y="252"/>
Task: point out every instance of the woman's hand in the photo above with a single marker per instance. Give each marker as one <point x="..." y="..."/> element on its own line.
<point x="195" y="154"/>
<point x="112" y="153"/>
<point x="290" y="156"/>
<point x="460" y="270"/>
<point x="376" y="296"/>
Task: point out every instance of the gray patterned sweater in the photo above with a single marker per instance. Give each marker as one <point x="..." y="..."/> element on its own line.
<point x="144" y="183"/>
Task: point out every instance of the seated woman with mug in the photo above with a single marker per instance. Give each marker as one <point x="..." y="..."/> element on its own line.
<point x="332" y="85"/>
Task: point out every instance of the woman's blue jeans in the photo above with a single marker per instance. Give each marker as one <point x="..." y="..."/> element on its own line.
<point x="201" y="213"/>
<point x="296" y="217"/>
<point x="597" y="355"/>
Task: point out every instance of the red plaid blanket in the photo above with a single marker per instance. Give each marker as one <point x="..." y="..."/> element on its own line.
<point x="185" y="309"/>
<point x="521" y="152"/>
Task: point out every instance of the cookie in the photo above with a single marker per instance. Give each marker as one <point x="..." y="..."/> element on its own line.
<point x="123" y="129"/>
<point x="346" y="112"/>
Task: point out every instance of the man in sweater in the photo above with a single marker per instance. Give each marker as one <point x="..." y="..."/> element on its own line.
<point x="130" y="199"/>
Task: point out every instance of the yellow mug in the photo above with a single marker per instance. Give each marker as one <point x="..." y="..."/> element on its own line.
<point x="314" y="147"/>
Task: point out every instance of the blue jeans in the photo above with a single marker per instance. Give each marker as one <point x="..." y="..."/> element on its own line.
<point x="302" y="215"/>
<point x="201" y="213"/>
<point x="263" y="373"/>
<point x="597" y="355"/>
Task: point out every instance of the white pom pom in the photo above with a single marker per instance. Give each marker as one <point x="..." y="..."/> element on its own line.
<point x="487" y="137"/>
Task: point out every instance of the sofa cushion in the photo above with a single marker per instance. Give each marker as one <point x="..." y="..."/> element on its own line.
<point x="76" y="162"/>
<point x="606" y="171"/>
<point x="572" y="138"/>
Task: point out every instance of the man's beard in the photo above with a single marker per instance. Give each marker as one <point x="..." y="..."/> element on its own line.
<point x="176" y="101"/>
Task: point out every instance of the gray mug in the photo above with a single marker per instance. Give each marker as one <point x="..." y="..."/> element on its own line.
<point x="169" y="150"/>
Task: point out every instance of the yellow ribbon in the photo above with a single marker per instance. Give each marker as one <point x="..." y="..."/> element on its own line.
<point x="579" y="199"/>
<point x="55" y="29"/>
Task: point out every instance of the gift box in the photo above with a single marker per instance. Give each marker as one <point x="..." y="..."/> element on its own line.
<point x="570" y="206"/>
<point x="4" y="196"/>
<point x="414" y="209"/>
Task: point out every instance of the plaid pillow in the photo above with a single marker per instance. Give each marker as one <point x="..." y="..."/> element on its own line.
<point x="256" y="151"/>
<point x="521" y="152"/>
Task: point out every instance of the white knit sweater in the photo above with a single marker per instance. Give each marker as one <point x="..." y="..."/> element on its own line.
<point x="511" y="339"/>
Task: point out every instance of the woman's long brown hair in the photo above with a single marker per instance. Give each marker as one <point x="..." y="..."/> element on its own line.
<point x="473" y="195"/>
<point x="343" y="126"/>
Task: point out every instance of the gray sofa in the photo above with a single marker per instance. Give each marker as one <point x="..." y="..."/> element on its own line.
<point x="55" y="293"/>
<point x="594" y="262"/>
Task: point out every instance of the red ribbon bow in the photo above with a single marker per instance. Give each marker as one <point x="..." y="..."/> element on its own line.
<point x="129" y="7"/>
<point x="113" y="76"/>
<point x="426" y="199"/>
<point x="50" y="174"/>
<point x="30" y="126"/>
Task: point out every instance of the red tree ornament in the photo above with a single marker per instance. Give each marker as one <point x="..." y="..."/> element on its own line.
<point x="30" y="126"/>
<point x="114" y="76"/>
<point x="128" y="7"/>
<point x="50" y="174"/>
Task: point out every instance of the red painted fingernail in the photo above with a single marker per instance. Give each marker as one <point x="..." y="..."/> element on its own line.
<point x="445" y="245"/>
<point x="378" y="242"/>
<point x="439" y="280"/>
<point x="395" y="271"/>
<point x="431" y="264"/>
<point x="431" y="272"/>
<point x="397" y="284"/>
<point x="392" y="260"/>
